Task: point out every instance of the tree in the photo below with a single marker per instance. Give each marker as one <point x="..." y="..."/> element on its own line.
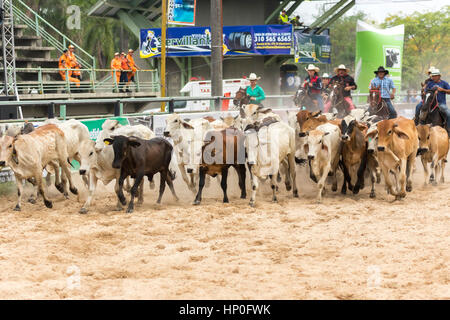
<point x="427" y="43"/>
<point x="343" y="40"/>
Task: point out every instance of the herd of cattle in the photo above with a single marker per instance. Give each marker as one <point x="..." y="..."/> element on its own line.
<point x="256" y="140"/>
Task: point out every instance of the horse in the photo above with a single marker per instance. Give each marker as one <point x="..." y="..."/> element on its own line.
<point x="303" y="99"/>
<point x="241" y="98"/>
<point x="430" y="112"/>
<point x="338" y="101"/>
<point x="377" y="106"/>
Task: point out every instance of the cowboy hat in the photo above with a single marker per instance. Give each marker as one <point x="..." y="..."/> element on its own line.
<point x="341" y="67"/>
<point x="130" y="50"/>
<point x="435" y="72"/>
<point x="311" y="67"/>
<point x="381" y="69"/>
<point x="116" y="54"/>
<point x="71" y="47"/>
<point x="325" y="75"/>
<point x="431" y="69"/>
<point x="253" y="77"/>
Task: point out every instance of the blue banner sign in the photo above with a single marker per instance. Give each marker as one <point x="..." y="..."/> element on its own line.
<point x="311" y="48"/>
<point x="237" y="41"/>
<point x="181" y="12"/>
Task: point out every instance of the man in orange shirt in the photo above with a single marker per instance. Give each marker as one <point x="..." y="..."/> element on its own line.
<point x="124" y="73"/>
<point x="133" y="66"/>
<point x="116" y="65"/>
<point x="74" y="64"/>
<point x="64" y="63"/>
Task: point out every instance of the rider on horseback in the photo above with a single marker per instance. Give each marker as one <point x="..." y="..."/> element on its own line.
<point x="349" y="82"/>
<point x="443" y="88"/>
<point x="420" y="104"/>
<point x="325" y="87"/>
<point x="255" y="92"/>
<point x="385" y="85"/>
<point x="314" y="85"/>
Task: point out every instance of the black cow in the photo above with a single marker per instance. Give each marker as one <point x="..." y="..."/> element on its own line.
<point x="354" y="154"/>
<point x="137" y="158"/>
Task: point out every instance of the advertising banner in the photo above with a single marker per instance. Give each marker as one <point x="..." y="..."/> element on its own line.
<point x="181" y="12"/>
<point x="237" y="41"/>
<point x="378" y="47"/>
<point x="311" y="48"/>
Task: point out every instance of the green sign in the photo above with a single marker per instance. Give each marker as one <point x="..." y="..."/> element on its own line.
<point x="374" y="48"/>
<point x="95" y="125"/>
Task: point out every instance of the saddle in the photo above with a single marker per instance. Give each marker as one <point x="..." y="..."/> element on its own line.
<point x="264" y="123"/>
<point x="381" y="110"/>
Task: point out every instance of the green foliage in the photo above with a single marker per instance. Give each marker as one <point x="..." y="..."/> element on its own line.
<point x="343" y="40"/>
<point x="427" y="43"/>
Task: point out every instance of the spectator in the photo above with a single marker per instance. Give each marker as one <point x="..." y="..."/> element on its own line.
<point x="296" y="21"/>
<point x="132" y="65"/>
<point x="116" y="66"/>
<point x="63" y="65"/>
<point x="124" y="70"/>
<point x="283" y="18"/>
<point x="74" y="63"/>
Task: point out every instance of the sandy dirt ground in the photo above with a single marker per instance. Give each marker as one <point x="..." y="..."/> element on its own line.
<point x="348" y="247"/>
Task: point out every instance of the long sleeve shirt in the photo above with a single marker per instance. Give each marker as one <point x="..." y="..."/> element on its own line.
<point x="385" y="85"/>
<point x="316" y="84"/>
<point x="348" y="81"/>
<point x="257" y="93"/>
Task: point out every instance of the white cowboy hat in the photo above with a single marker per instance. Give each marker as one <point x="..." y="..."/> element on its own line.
<point x="312" y="67"/>
<point x="341" y="67"/>
<point x="325" y="75"/>
<point x="435" y="72"/>
<point x="253" y="77"/>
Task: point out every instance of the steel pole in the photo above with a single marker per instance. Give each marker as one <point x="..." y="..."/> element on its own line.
<point x="216" y="50"/>
<point x="163" y="51"/>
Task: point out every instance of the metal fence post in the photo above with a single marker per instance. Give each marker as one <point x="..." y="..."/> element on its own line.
<point x="41" y="84"/>
<point x="118" y="108"/>
<point x="51" y="110"/>
<point x="137" y="81"/>
<point x="62" y="111"/>
<point x="115" y="81"/>
<point x="171" y="106"/>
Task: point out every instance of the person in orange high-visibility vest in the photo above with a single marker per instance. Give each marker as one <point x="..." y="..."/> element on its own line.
<point x="116" y="66"/>
<point x="132" y="65"/>
<point x="74" y="64"/>
<point x="125" y="67"/>
<point x="64" y="63"/>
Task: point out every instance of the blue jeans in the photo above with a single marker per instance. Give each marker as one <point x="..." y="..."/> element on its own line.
<point x="392" y="112"/>
<point x="419" y="105"/>
<point x="444" y="108"/>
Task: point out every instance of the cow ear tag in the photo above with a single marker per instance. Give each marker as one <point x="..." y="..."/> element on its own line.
<point x="107" y="142"/>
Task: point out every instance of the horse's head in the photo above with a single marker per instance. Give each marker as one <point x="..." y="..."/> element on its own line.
<point x="429" y="102"/>
<point x="374" y="96"/>
<point x="299" y="96"/>
<point x="337" y="91"/>
<point x="241" y="97"/>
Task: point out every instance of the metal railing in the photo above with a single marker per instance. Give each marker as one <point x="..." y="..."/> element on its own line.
<point x="145" y="81"/>
<point x="119" y="102"/>
<point x="49" y="33"/>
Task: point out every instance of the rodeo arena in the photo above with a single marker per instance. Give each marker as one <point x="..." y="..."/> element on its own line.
<point x="283" y="181"/>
